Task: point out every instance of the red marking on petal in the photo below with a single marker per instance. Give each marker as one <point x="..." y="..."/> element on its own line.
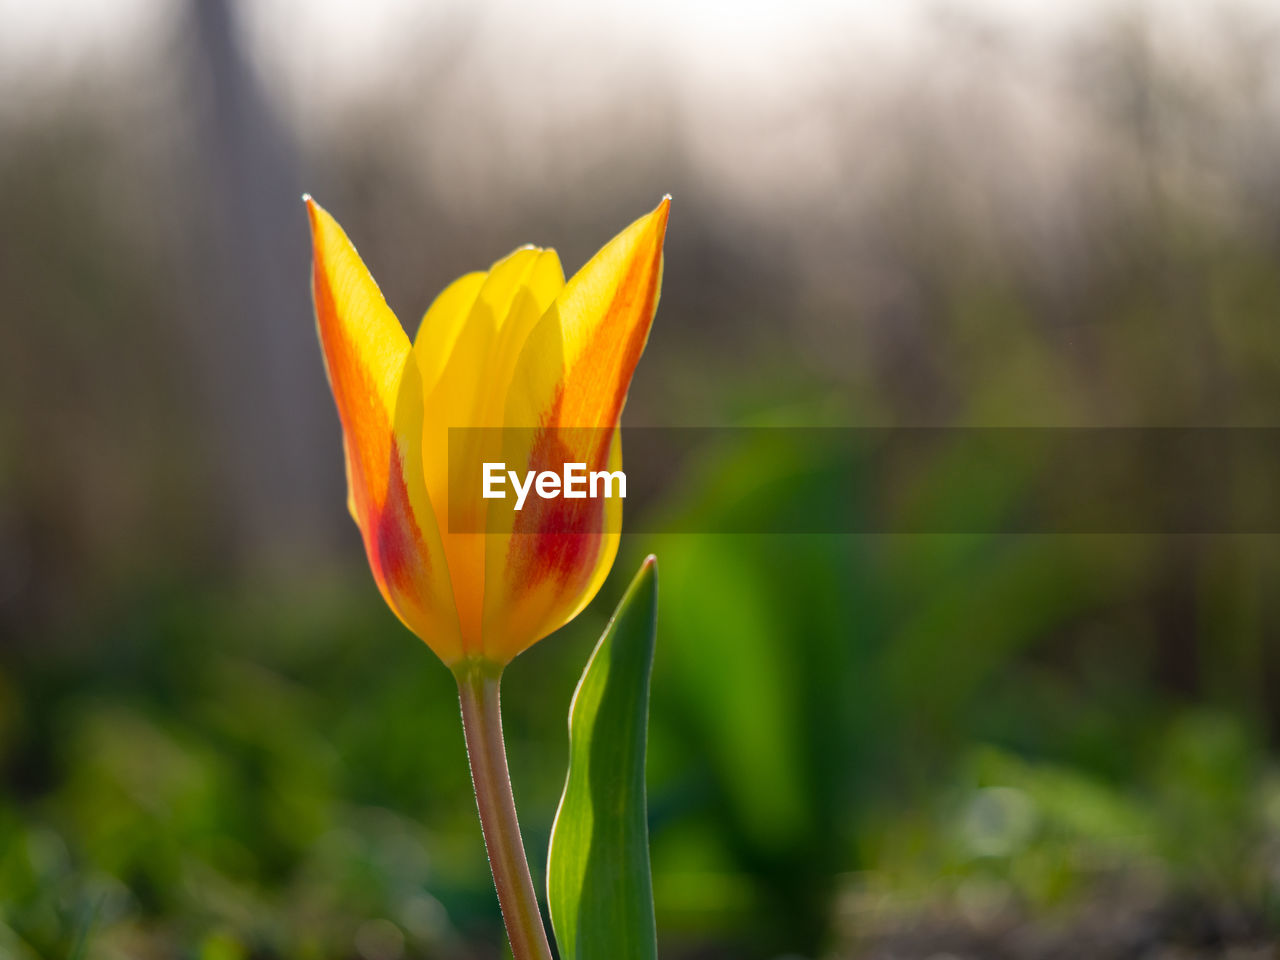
<point x="394" y="543"/>
<point x="560" y="538"/>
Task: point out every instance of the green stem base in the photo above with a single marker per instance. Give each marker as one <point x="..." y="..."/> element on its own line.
<point x="478" y="693"/>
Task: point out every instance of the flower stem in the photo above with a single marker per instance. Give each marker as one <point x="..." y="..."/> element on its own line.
<point x="478" y="692"/>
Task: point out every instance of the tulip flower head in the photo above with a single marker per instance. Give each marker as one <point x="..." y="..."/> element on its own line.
<point x="517" y="348"/>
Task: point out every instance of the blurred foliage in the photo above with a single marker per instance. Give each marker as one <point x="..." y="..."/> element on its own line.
<point x="217" y="743"/>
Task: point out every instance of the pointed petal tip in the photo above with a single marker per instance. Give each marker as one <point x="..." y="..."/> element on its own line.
<point x="661" y="213"/>
<point x="313" y="211"/>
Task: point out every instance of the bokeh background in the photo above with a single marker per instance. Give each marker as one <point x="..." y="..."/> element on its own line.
<point x="217" y="743"/>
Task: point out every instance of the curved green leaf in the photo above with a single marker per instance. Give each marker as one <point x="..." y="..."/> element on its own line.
<point x="598" y="884"/>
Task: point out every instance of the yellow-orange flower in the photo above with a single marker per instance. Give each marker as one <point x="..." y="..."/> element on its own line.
<point x="514" y="347"/>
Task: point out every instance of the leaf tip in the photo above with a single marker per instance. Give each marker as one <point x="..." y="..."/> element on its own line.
<point x="646" y="578"/>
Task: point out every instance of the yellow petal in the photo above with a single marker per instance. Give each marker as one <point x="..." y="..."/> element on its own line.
<point x="568" y="389"/>
<point x="378" y="391"/>
<point x="441" y="325"/>
<point x="477" y="326"/>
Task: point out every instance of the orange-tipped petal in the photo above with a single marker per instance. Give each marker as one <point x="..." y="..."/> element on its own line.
<point x="577" y="363"/>
<point x="378" y="390"/>
<point x="573" y="372"/>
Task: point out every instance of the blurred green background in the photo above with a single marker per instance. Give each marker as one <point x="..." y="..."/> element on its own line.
<point x="217" y="743"/>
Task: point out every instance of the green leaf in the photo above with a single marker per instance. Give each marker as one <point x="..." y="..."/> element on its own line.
<point x="598" y="884"/>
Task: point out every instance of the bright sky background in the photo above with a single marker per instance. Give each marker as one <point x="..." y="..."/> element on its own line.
<point x="359" y="40"/>
<point x="750" y="83"/>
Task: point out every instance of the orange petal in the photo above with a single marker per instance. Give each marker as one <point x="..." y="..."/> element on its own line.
<point x="573" y="372"/>
<point x="378" y="390"/>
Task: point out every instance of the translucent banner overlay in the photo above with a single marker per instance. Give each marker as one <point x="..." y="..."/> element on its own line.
<point x="872" y="480"/>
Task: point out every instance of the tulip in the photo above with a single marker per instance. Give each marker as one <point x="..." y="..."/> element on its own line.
<point x="514" y="347"/>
